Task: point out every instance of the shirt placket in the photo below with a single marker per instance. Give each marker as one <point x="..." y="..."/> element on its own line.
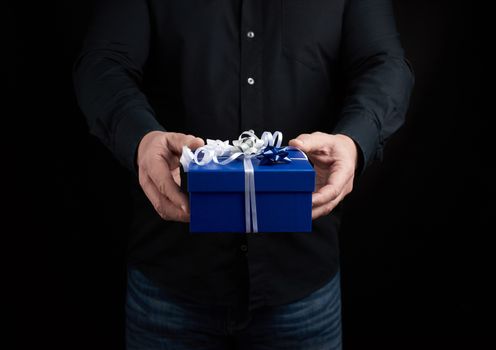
<point x="251" y="79"/>
<point x="251" y="93"/>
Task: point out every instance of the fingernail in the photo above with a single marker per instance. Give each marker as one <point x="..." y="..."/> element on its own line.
<point x="183" y="207"/>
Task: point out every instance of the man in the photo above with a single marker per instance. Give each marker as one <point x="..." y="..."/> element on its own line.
<point x="331" y="75"/>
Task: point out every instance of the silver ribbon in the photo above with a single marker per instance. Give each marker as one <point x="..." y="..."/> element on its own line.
<point x="250" y="197"/>
<point x="247" y="146"/>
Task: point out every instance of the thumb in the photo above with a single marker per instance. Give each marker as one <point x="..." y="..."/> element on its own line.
<point x="309" y="143"/>
<point x="296" y="143"/>
<point x="176" y="141"/>
<point x="197" y="142"/>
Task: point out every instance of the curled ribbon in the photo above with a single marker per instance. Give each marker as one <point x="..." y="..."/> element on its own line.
<point x="247" y="146"/>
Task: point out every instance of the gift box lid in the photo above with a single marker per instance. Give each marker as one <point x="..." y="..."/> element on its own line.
<point x="296" y="176"/>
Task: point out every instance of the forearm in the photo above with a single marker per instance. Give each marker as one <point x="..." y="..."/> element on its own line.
<point x="379" y="78"/>
<point x="108" y="76"/>
<point x="116" y="110"/>
<point x="375" y="105"/>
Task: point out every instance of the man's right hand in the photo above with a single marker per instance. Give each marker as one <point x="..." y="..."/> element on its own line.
<point x="158" y="171"/>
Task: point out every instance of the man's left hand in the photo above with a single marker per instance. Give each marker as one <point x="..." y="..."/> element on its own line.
<point x="334" y="158"/>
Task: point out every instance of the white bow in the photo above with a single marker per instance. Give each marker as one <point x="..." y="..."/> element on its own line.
<point x="247" y="145"/>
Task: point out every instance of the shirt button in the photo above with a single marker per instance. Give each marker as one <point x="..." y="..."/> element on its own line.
<point x="250" y="35"/>
<point x="244" y="248"/>
<point x="251" y="81"/>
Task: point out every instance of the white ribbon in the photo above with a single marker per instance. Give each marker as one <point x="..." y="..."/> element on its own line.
<point x="250" y="197"/>
<point x="247" y="146"/>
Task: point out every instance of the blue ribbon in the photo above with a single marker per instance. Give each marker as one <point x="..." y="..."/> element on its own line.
<point x="272" y="155"/>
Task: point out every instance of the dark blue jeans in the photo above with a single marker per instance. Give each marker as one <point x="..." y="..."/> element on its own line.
<point x="154" y="321"/>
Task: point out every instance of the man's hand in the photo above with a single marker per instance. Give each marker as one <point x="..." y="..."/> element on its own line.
<point x="158" y="171"/>
<point x="335" y="159"/>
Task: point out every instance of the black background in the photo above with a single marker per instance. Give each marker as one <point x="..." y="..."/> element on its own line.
<point x="414" y="249"/>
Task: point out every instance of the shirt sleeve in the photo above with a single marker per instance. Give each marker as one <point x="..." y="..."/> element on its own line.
<point x="379" y="79"/>
<point x="108" y="76"/>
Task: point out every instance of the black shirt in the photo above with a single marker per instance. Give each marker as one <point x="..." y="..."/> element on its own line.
<point x="216" y="68"/>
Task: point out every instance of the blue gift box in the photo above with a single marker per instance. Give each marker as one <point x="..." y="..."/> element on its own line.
<point x="283" y="195"/>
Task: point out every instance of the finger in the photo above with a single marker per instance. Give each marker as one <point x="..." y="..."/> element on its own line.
<point x="161" y="176"/>
<point x="311" y="142"/>
<point x="176" y="175"/>
<point x="173" y="161"/>
<point x="176" y="141"/>
<point x="336" y="183"/>
<point x="299" y="141"/>
<point x="325" y="209"/>
<point x="325" y="195"/>
<point x="163" y="206"/>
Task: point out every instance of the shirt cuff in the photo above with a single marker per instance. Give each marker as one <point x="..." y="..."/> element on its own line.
<point x="133" y="125"/>
<point x="365" y="133"/>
